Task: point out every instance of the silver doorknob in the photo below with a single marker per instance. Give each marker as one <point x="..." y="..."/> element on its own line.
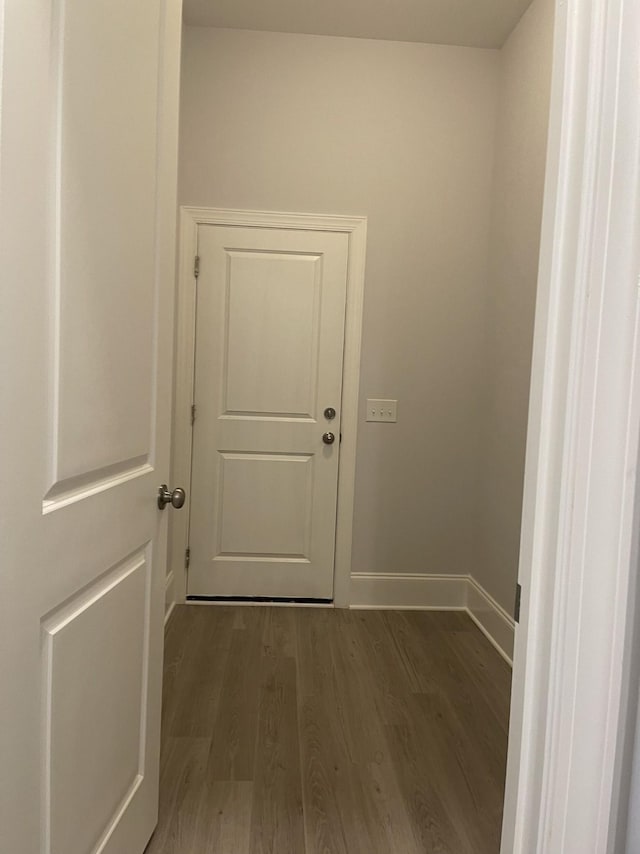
<point x="328" y="438"/>
<point x="174" y="497"/>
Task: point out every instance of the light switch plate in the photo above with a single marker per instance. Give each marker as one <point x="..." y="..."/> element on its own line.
<point x="382" y="410"/>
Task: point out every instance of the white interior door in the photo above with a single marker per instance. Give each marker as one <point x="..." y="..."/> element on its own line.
<point x="87" y="220"/>
<point x="268" y="363"/>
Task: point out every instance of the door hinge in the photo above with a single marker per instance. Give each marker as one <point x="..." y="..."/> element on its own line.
<point x="193" y="414"/>
<point x="516" y="610"/>
<point x="196" y="266"/>
<point x="187" y="558"/>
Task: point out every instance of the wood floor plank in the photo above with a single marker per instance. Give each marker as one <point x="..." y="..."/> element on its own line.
<point x="385" y="663"/>
<point x="318" y="731"/>
<point x="200" y="684"/>
<point x="182" y="778"/>
<point x="488" y="671"/>
<point x="447" y="677"/>
<point x="349" y="754"/>
<point x="279" y="633"/>
<point x="381" y="801"/>
<point x="475" y="711"/>
<point x="277" y="822"/>
<point x="183" y="637"/>
<point x="472" y="796"/>
<point x="461" y="741"/>
<point x="333" y="821"/>
<point x="313" y="650"/>
<point x="235" y="729"/>
<point x="223" y="817"/>
<point x="417" y="639"/>
<point x="391" y="676"/>
<point x="418" y="773"/>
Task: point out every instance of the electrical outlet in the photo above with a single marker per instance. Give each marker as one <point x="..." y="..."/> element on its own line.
<point x="382" y="410"/>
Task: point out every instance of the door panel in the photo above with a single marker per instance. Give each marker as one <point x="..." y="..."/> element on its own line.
<point x="92" y="778"/>
<point x="269" y="333"/>
<point x="250" y="521"/>
<point x="104" y="179"/>
<point x="87" y="226"/>
<point x="273" y="310"/>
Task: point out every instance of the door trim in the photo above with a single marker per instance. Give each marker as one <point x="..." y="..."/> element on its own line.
<point x="356" y="227"/>
<point x="576" y="655"/>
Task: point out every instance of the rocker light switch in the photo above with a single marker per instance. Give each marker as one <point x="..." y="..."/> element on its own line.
<point x="382" y="410"/>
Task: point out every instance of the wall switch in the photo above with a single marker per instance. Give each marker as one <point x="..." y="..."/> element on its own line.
<point x="382" y="410"/>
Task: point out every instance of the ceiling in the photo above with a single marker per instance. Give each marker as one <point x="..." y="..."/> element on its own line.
<point x="470" y="23"/>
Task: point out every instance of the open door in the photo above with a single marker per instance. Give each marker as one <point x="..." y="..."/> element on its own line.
<point x="88" y="141"/>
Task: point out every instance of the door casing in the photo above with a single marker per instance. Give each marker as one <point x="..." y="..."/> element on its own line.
<point x="356" y="228"/>
<point x="575" y="648"/>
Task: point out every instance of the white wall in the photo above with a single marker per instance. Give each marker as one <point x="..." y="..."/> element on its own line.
<point x="403" y="133"/>
<point x="523" y="109"/>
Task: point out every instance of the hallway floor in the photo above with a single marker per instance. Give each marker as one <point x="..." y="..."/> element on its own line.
<point x="321" y="731"/>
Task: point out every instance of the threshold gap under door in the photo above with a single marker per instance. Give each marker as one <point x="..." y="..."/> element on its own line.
<point x="258" y="599"/>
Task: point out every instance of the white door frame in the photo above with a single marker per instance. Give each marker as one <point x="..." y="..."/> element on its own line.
<point x="573" y="649"/>
<point x="356" y="227"/>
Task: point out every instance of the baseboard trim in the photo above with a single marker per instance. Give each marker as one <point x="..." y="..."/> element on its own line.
<point x="169" y="597"/>
<point x="422" y="592"/>
<point x="413" y="591"/>
<point x="491" y="618"/>
<point x="167" y="613"/>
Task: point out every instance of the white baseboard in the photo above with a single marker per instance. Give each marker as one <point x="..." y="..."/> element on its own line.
<point x="169" y="596"/>
<point x="491" y="619"/>
<point x="167" y="613"/>
<point x="409" y="591"/>
<point x="416" y="591"/>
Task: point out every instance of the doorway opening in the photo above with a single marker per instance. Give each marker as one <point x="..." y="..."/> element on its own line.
<point x="442" y="149"/>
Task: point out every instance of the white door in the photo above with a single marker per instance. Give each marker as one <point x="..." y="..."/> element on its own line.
<point x="87" y="197"/>
<point x="269" y="347"/>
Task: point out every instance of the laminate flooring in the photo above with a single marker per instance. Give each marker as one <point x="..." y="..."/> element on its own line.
<point x="321" y="731"/>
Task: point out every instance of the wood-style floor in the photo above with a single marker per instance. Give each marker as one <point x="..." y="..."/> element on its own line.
<point x="319" y="731"/>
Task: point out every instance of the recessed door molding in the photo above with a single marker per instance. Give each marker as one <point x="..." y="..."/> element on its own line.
<point x="356" y="229"/>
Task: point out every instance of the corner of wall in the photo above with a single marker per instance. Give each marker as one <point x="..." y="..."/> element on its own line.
<point x="427" y="592"/>
<point x="516" y="214"/>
